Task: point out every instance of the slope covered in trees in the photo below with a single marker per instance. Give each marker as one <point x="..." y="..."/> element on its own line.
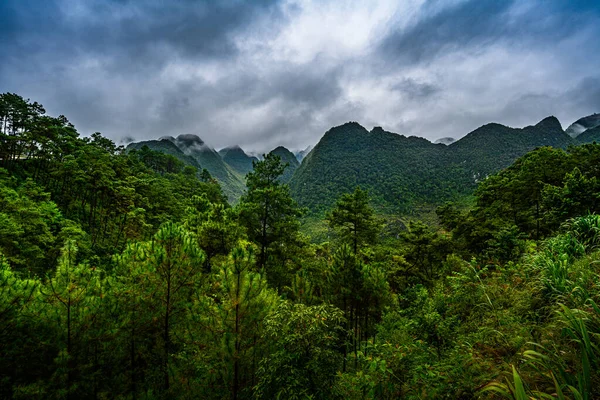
<point x="237" y="159"/>
<point x="287" y="157"/>
<point x="403" y="173"/>
<point x="123" y="275"/>
<point x="193" y="151"/>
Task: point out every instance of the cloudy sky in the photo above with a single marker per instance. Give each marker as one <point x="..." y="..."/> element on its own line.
<point x="263" y="73"/>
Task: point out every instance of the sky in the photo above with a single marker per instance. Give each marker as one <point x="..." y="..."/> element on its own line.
<point x="264" y="73"/>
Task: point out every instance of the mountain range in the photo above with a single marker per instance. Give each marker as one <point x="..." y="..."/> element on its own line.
<point x="401" y="173"/>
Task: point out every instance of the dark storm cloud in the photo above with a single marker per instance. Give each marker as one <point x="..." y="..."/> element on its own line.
<point x="474" y="21"/>
<point x="131" y="29"/>
<point x="282" y="72"/>
<point x="473" y="24"/>
<point x="414" y="90"/>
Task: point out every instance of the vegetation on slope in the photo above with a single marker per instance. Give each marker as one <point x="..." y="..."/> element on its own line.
<point x="237" y="159"/>
<point x="193" y="151"/>
<point x="287" y="157"/>
<point x="123" y="275"/>
<point x="404" y="173"/>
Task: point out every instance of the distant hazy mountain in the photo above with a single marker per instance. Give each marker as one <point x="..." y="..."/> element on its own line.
<point x="193" y="148"/>
<point x="445" y="140"/>
<point x="402" y="173"/>
<point x="286" y="157"/>
<point x="300" y="155"/>
<point x="583" y="124"/>
<point x="589" y="136"/>
<point x="237" y="159"/>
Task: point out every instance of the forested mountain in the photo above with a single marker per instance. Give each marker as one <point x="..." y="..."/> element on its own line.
<point x="166" y="146"/>
<point x="397" y="171"/>
<point x="192" y="147"/>
<point x="402" y="173"/>
<point x="237" y="159"/>
<point x="128" y="275"/>
<point x="589" y="136"/>
<point x="492" y="147"/>
<point x="287" y="157"/>
<point x="583" y="124"/>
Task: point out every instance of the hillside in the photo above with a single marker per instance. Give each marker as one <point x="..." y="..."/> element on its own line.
<point x="492" y="147"/>
<point x="583" y="124"/>
<point x="168" y="147"/>
<point x="236" y="158"/>
<point x="191" y="147"/>
<point x="397" y="171"/>
<point x="402" y="173"/>
<point x="589" y="136"/>
<point x="289" y="158"/>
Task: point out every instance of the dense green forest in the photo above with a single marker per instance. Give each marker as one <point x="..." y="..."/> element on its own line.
<point x="410" y="174"/>
<point x="129" y="275"/>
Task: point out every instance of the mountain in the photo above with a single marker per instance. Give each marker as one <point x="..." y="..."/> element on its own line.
<point x="583" y="124"/>
<point x="237" y="159"/>
<point x="286" y="157"/>
<point x="492" y="147"/>
<point x="165" y="145"/>
<point x="402" y="173"/>
<point x="445" y="140"/>
<point x="589" y="136"/>
<point x="191" y="147"/>
<point x="300" y="155"/>
<point x="396" y="170"/>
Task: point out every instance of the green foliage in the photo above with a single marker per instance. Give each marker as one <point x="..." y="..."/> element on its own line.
<point x="233" y="316"/>
<point x="303" y="358"/>
<point x="29" y="223"/>
<point x="270" y="217"/>
<point x="127" y="275"/>
<point x="354" y="219"/>
<point x="288" y="159"/>
<point x="411" y="174"/>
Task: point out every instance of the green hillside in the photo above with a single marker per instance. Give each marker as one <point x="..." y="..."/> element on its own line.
<point x="193" y="150"/>
<point x="125" y="276"/>
<point x="289" y="158"/>
<point x="583" y="124"/>
<point x="237" y="159"/>
<point x="492" y="147"/>
<point x="402" y="173"/>
<point x="167" y="147"/>
<point x="589" y="136"/>
<point x="396" y="170"/>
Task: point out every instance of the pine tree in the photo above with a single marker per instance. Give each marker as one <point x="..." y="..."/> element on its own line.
<point x="270" y="217"/>
<point x="354" y="219"/>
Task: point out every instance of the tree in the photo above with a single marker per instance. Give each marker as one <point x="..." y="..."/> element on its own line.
<point x="354" y="219"/>
<point x="304" y="360"/>
<point x="232" y="317"/>
<point x="270" y="216"/>
<point x="74" y="296"/>
<point x="169" y="269"/>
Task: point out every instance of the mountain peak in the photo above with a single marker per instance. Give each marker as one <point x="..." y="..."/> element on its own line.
<point x="286" y="157"/>
<point x="232" y="149"/>
<point x="550" y="123"/>
<point x="189" y="139"/>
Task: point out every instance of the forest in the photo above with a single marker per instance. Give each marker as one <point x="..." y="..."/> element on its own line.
<point x="127" y="274"/>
